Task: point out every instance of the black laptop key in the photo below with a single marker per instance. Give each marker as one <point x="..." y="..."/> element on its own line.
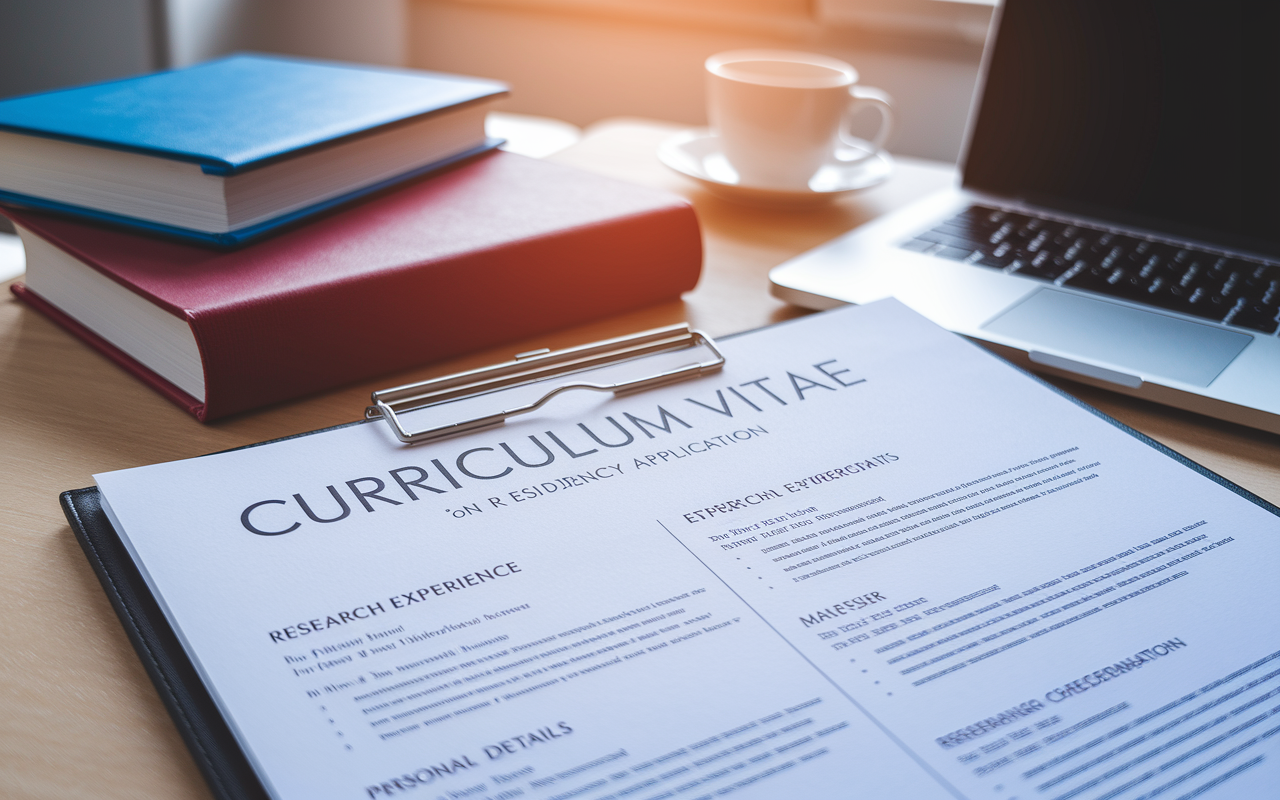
<point x="1236" y="284"/>
<point x="952" y="253"/>
<point x="1127" y="249"/>
<point x="1001" y="234"/>
<point x="962" y="227"/>
<point x="1151" y="268"/>
<point x="1253" y="289"/>
<point x="1068" y="237"/>
<point x="1210" y="304"/>
<point x="994" y="261"/>
<point x="974" y="238"/>
<point x="1258" y="317"/>
<point x="1257" y="281"/>
<point x="1038" y="242"/>
<point x="1170" y="296"/>
<point x="949" y="240"/>
<point x="1268" y="295"/>
<point x="979" y="219"/>
<point x="1140" y="251"/>
<point x="1044" y="265"/>
<point x="1265" y="274"/>
<point x="999" y="257"/>
<point x="1076" y="248"/>
<point x="1097" y="278"/>
<point x="918" y="245"/>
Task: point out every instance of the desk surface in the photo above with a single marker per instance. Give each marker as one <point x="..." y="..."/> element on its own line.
<point x="79" y="717"/>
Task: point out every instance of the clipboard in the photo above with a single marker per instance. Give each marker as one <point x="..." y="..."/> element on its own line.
<point x="206" y="733"/>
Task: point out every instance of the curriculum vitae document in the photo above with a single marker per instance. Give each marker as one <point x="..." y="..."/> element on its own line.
<point x="867" y="559"/>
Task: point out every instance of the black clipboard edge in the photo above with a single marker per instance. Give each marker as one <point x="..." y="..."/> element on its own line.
<point x="1147" y="440"/>
<point x="208" y="736"/>
<point x="205" y="731"/>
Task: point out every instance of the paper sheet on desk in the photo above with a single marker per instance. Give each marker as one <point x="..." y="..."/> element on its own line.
<point x="866" y="554"/>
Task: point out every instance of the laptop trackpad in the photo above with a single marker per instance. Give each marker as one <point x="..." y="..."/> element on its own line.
<point x="1147" y="343"/>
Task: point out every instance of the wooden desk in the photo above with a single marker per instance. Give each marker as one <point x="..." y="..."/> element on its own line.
<point x="78" y="716"/>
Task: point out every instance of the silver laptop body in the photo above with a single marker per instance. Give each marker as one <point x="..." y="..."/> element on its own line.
<point x="1188" y="322"/>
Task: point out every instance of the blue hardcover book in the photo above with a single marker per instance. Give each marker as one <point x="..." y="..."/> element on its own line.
<point x="228" y="150"/>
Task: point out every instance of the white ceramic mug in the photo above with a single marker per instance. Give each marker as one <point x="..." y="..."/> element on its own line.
<point x="781" y="114"/>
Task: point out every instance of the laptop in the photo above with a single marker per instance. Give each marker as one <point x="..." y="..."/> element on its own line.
<point x="1118" y="217"/>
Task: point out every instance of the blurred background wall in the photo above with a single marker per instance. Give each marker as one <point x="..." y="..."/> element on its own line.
<point x="52" y="43"/>
<point x="576" y="60"/>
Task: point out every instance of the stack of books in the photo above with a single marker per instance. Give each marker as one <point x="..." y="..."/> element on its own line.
<point x="254" y="229"/>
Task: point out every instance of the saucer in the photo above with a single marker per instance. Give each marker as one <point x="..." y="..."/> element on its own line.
<point x="697" y="154"/>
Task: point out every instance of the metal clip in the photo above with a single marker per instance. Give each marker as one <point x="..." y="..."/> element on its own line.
<point x="540" y="365"/>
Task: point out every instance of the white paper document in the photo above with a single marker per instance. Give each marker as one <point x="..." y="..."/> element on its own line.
<point x="866" y="559"/>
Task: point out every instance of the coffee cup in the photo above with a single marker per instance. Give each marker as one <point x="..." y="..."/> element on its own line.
<point x="780" y="115"/>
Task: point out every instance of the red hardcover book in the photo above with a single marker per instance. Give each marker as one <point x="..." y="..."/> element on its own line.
<point x="499" y="248"/>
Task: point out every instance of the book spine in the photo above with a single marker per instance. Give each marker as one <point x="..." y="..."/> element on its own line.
<point x="289" y="346"/>
<point x="240" y="237"/>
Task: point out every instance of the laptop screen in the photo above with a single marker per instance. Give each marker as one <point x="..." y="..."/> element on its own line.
<point x="1155" y="113"/>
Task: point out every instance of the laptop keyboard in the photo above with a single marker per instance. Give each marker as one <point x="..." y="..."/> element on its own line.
<point x="1236" y="291"/>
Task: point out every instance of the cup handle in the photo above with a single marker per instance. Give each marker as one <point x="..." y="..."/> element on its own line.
<point x="867" y="97"/>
